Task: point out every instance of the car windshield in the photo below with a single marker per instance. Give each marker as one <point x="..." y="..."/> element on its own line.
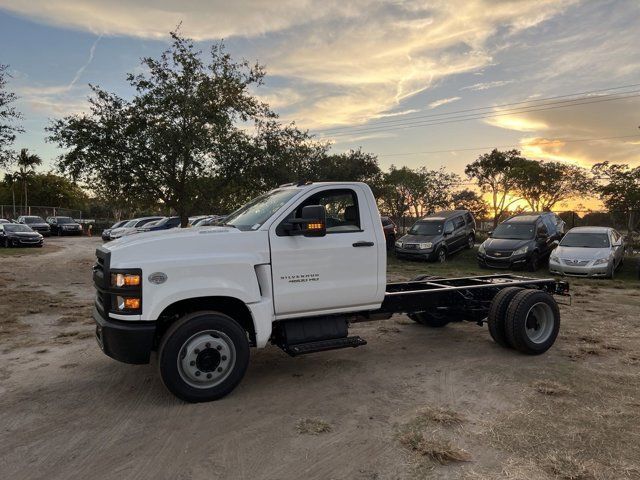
<point x="15" y="227"/>
<point x="586" y="240"/>
<point x="130" y="223"/>
<point x="119" y="224"/>
<point x="146" y="221"/>
<point x="514" y="231"/>
<point x="426" y="228"/>
<point x="252" y="215"/>
<point x="63" y="220"/>
<point x="33" y="220"/>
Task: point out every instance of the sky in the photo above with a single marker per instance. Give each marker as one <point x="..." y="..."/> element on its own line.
<point x="432" y="83"/>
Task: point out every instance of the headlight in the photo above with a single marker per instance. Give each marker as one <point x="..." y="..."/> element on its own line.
<point x="600" y="261"/>
<point x="481" y="248"/>
<point x="425" y="245"/>
<point x="522" y="251"/>
<point x="125" y="280"/>
<point x="554" y="258"/>
<point x="399" y="244"/>
<point x="127" y="303"/>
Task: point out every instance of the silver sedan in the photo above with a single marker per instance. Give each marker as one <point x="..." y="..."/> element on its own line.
<point x="588" y="252"/>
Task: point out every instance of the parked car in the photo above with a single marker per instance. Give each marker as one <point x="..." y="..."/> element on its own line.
<point x="209" y="221"/>
<point x="521" y="241"/>
<point x="390" y="231"/>
<point x="107" y="231"/>
<point x="131" y="227"/>
<point x="437" y="236"/>
<point x="588" y="252"/>
<point x="35" y="223"/>
<point x="64" y="226"/>
<point x="19" y="235"/>
<point x="163" y="224"/>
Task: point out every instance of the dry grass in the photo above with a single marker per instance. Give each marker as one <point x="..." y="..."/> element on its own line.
<point x="442" y="416"/>
<point x="549" y="387"/>
<point x="312" y="426"/>
<point x="437" y="449"/>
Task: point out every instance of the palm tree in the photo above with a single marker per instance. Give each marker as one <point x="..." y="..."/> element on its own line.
<point x="26" y="167"/>
<point x="10" y="179"/>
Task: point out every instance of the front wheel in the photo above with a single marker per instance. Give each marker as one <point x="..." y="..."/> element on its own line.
<point x="534" y="262"/>
<point x="471" y="241"/>
<point x="441" y="255"/>
<point x="203" y="356"/>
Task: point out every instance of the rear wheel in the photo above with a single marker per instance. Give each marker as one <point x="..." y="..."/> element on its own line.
<point x="532" y="321"/>
<point x="498" y="313"/>
<point x="203" y="356"/>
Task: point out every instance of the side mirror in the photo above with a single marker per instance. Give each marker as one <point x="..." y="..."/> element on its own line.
<point x="313" y="222"/>
<point x="448" y="230"/>
<point x="489" y="233"/>
<point x="543" y="236"/>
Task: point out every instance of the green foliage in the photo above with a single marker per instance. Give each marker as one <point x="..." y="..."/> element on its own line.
<point x="9" y="117"/>
<point x="621" y="193"/>
<point x="543" y="184"/>
<point x="47" y="189"/>
<point x="472" y="201"/>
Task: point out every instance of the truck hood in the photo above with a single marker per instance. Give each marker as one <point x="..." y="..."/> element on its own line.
<point x="188" y="243"/>
<point x="420" y="238"/>
<point x="507" y="244"/>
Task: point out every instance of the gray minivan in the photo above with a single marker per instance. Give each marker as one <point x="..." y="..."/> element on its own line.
<point x="437" y="236"/>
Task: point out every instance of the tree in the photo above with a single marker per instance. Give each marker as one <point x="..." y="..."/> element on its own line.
<point x="396" y="189"/>
<point x="8" y="118"/>
<point x="621" y="193"/>
<point x="495" y="174"/>
<point x="472" y="201"/>
<point x="433" y="190"/>
<point x="10" y="181"/>
<point x="26" y="162"/>
<point x="183" y="123"/>
<point x="351" y="166"/>
<point x="543" y="184"/>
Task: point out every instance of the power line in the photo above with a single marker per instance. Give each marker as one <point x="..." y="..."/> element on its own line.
<point x="375" y="129"/>
<point x="433" y="115"/>
<point x="549" y="142"/>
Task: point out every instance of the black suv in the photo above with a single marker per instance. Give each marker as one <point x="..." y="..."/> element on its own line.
<point x="437" y="236"/>
<point x="37" y="224"/>
<point x="64" y="226"/>
<point x="521" y="241"/>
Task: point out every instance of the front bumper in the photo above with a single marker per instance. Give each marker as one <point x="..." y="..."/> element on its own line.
<point x="512" y="261"/>
<point x="23" y="242"/>
<point x="123" y="340"/>
<point x="415" y="253"/>
<point x="601" y="270"/>
<point x="71" y="232"/>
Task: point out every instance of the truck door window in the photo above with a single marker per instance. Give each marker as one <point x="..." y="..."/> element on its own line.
<point x="458" y="222"/>
<point x="343" y="214"/>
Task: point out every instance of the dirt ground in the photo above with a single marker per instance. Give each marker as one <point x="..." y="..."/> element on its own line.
<point x="413" y="403"/>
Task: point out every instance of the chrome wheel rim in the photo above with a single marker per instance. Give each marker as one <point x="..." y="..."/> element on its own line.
<point x="471" y="242"/>
<point x="442" y="256"/>
<point x="206" y="359"/>
<point x="539" y="323"/>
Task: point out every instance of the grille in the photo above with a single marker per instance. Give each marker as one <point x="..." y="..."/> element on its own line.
<point x="411" y="246"/>
<point x="575" y="263"/>
<point x="499" y="253"/>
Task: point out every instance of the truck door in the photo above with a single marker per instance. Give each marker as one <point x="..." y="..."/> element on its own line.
<point x="337" y="271"/>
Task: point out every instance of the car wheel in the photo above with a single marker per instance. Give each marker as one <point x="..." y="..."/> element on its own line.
<point x="496" y="319"/>
<point x="59" y="233"/>
<point x="612" y="271"/>
<point x="441" y="255"/>
<point x="203" y="356"/>
<point x="391" y="241"/>
<point x="534" y="262"/>
<point x="471" y="241"/>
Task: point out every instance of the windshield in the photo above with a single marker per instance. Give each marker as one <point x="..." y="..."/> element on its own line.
<point x="33" y="220"/>
<point x="63" y="220"/>
<point x="514" y="231"/>
<point x="426" y="228"/>
<point x="130" y="223"/>
<point x="119" y="224"/>
<point x="259" y="210"/>
<point x="586" y="240"/>
<point x="14" y="227"/>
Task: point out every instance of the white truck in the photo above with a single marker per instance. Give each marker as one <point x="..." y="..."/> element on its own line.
<point x="293" y="267"/>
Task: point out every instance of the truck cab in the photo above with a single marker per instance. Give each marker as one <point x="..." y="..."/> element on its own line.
<point x="313" y="251"/>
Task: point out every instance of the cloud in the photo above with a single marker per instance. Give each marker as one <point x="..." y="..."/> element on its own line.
<point x="351" y="61"/>
<point x="487" y="85"/>
<point x="443" y="101"/>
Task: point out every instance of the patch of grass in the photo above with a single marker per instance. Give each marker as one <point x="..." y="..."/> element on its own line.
<point x="442" y="416"/>
<point x="568" y="467"/>
<point x="437" y="449"/>
<point x="312" y="426"/>
<point x="549" y="387"/>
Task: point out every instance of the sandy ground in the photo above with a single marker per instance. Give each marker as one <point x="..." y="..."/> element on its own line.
<point x="413" y="403"/>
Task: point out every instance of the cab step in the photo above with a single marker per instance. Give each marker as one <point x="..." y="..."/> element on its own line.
<point x="323" y="345"/>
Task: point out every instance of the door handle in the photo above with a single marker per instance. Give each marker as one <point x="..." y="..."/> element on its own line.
<point x="363" y="244"/>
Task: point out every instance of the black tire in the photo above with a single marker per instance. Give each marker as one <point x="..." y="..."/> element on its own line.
<point x="532" y="313"/>
<point x="429" y="319"/>
<point x="612" y="271"/>
<point x="534" y="262"/>
<point x="176" y="340"/>
<point x="498" y="314"/>
<point x="482" y="265"/>
<point x="391" y="242"/>
<point x="441" y="255"/>
<point x="471" y="241"/>
<point x="59" y="232"/>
